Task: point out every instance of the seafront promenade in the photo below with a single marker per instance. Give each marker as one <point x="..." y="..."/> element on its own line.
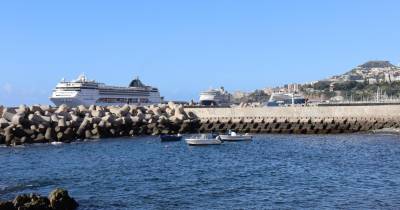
<point x="43" y="124"/>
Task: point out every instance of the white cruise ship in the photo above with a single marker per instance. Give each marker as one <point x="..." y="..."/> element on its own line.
<point x="286" y="99"/>
<point x="87" y="92"/>
<point x="215" y="97"/>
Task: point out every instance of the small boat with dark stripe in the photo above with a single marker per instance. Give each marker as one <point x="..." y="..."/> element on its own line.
<point x="169" y="137"/>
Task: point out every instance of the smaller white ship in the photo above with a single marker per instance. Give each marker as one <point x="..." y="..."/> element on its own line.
<point x="285" y="99"/>
<point x="215" y="97"/>
<point x="233" y="136"/>
<point x="204" y="139"/>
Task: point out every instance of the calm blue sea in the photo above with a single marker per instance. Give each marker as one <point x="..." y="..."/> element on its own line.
<point x="271" y="172"/>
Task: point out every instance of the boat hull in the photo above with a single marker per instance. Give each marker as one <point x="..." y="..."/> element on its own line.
<point x="236" y="138"/>
<point x="170" y="138"/>
<point x="199" y="142"/>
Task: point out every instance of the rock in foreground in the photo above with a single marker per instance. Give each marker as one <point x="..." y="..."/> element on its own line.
<point x="58" y="199"/>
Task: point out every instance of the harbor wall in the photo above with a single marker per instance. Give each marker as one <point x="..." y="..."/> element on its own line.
<point x="387" y="111"/>
<point x="310" y="120"/>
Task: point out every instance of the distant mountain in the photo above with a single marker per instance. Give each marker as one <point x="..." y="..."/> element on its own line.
<point x="370" y="71"/>
<point x="377" y="64"/>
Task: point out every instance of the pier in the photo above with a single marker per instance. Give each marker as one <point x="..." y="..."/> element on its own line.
<point x="44" y="124"/>
<point x="306" y="120"/>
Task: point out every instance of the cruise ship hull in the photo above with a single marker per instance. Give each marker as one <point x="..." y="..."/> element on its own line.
<point x="71" y="102"/>
<point x="104" y="100"/>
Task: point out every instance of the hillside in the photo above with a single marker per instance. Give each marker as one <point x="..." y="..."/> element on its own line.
<point x="360" y="83"/>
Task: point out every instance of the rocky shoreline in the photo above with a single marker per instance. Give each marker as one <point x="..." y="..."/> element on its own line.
<point x="58" y="199"/>
<point x="44" y="124"/>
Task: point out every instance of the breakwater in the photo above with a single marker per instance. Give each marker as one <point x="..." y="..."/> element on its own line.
<point x="41" y="124"/>
<point x="306" y="120"/>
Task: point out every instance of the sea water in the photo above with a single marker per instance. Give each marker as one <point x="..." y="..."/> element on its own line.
<point x="271" y="172"/>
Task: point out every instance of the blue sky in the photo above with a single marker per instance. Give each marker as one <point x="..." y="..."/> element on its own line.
<point x="184" y="47"/>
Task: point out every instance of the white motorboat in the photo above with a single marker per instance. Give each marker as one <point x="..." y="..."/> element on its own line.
<point x="204" y="140"/>
<point x="233" y="136"/>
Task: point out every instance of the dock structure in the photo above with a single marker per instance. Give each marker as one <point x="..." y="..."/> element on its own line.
<point x="43" y="124"/>
<point x="308" y="120"/>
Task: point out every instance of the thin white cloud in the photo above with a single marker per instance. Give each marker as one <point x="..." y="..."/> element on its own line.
<point x="7" y="88"/>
